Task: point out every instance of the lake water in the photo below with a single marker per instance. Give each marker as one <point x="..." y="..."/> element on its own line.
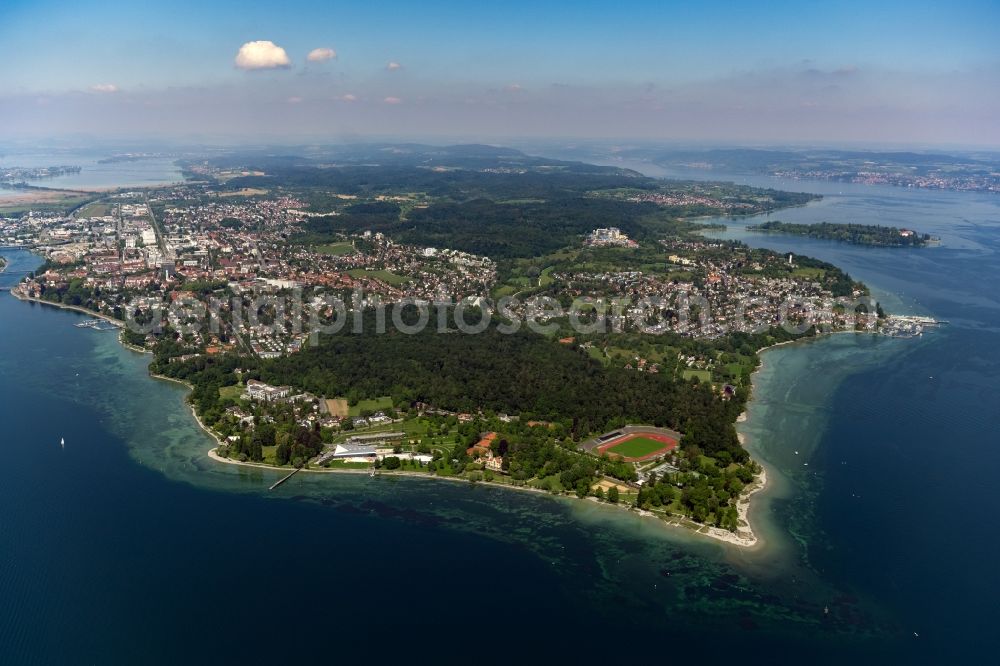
<point x="129" y="545"/>
<point x="92" y="175"/>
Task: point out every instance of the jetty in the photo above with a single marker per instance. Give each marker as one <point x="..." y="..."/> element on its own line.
<point x="285" y="478"/>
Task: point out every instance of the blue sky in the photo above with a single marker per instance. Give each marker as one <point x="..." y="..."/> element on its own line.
<point x="902" y="71"/>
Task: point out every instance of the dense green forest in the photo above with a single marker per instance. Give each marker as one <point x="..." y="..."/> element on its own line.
<point x="497" y="230"/>
<point x="521" y="374"/>
<point x="456" y="184"/>
<point x="858" y="234"/>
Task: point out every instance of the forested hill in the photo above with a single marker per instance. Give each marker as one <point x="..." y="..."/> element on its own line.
<point x="457" y="184"/>
<point x="519" y="374"/>
<point x="433" y="159"/>
<point x="484" y="227"/>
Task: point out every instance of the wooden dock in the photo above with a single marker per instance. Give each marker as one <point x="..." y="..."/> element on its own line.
<point x="285" y="478"/>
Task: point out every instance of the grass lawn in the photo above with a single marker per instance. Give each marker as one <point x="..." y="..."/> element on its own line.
<point x="336" y="249"/>
<point x="545" y="279"/>
<point x="343" y="464"/>
<point x="96" y="209"/>
<point x="233" y="392"/>
<point x="704" y="376"/>
<point x="505" y="290"/>
<point x="598" y="354"/>
<point x="375" y="405"/>
<point x="385" y="276"/>
<point x="416" y="428"/>
<point x="814" y="273"/>
<point x="549" y="483"/>
<point x="637" y="447"/>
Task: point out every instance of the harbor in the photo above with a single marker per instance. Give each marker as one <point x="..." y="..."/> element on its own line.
<point x="908" y="326"/>
<point x="95" y="324"/>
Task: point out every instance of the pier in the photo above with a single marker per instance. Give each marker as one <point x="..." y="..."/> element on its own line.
<point x="285" y="478"/>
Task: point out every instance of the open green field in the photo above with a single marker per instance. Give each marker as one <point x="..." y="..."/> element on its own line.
<point x="597" y="354"/>
<point x="545" y="279"/>
<point x="336" y="249"/>
<point x="96" y="209"/>
<point x="637" y="447"/>
<point x="374" y="405"/>
<point x="519" y="281"/>
<point x="234" y="392"/>
<point x="385" y="276"/>
<point x="506" y="290"/>
<point x="814" y="273"/>
<point x="704" y="376"/>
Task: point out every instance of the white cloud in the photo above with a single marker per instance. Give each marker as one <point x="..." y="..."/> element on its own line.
<point x="392" y="100"/>
<point x="321" y="54"/>
<point x="348" y="97"/>
<point x="514" y="87"/>
<point x="104" y="88"/>
<point x="262" y="54"/>
<point x="392" y="66"/>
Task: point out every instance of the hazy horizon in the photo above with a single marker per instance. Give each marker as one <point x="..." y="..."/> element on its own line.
<point x="898" y="74"/>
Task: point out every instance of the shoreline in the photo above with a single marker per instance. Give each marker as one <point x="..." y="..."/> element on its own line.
<point x="748" y="539"/>
<point x="745" y="537"/>
<point x="62" y="306"/>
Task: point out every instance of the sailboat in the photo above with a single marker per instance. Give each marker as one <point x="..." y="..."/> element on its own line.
<point x="62" y="442"/>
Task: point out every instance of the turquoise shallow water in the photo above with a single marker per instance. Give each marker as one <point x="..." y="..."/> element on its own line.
<point x="130" y="545"/>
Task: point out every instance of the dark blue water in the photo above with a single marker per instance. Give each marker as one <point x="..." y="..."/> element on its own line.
<point x="130" y="546"/>
<point x="905" y="465"/>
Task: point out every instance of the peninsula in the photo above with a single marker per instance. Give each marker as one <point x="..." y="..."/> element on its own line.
<point x="562" y="328"/>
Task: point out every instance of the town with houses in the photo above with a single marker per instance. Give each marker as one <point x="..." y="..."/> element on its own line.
<point x="118" y="258"/>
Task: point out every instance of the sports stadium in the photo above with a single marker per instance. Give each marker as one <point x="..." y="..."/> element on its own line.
<point x="634" y="443"/>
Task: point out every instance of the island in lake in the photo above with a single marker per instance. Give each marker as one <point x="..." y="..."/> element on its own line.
<point x="858" y="234"/>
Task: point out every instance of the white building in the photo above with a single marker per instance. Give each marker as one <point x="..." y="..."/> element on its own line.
<point x="267" y="393"/>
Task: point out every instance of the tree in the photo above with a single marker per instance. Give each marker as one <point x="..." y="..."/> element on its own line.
<point x="283" y="453"/>
<point x="613" y="494"/>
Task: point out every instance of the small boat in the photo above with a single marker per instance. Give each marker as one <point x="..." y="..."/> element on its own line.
<point x="62" y="442"/>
